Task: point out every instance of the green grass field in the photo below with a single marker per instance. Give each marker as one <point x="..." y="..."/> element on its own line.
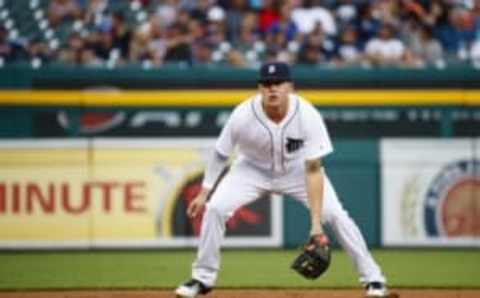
<point x="241" y="269"/>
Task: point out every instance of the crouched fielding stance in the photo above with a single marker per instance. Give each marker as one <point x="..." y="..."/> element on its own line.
<point x="280" y="139"/>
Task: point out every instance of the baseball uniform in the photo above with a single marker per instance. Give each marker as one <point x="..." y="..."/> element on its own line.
<point x="270" y="158"/>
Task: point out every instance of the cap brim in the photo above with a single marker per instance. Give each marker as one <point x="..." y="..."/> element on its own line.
<point x="273" y="81"/>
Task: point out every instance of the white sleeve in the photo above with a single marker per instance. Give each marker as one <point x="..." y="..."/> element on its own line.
<point x="215" y="167"/>
<point x="223" y="150"/>
<point x="318" y="142"/>
<point x="226" y="141"/>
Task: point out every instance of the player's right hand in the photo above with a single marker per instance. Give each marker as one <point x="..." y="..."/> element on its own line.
<point x="197" y="204"/>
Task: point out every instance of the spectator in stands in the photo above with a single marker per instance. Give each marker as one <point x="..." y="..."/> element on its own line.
<point x="188" y="5"/>
<point x="167" y="11"/>
<point x="96" y="13"/>
<point x="310" y="55"/>
<point x="149" y="42"/>
<point x="317" y="48"/>
<point x="202" y="53"/>
<point x="426" y="50"/>
<point x="234" y="17"/>
<point x="61" y="10"/>
<point x="216" y="25"/>
<point x="6" y="48"/>
<point x="141" y="49"/>
<point x="102" y="42"/>
<point x="269" y="14"/>
<point x="121" y="34"/>
<point x="456" y="35"/>
<point x="311" y="12"/>
<point x="88" y="58"/>
<point x="385" y="49"/>
<point x="216" y="34"/>
<point x="387" y="11"/>
<point x="348" y="51"/>
<point x="432" y="13"/>
<point x="346" y="13"/>
<point x="283" y="30"/>
<point x="247" y="49"/>
<point x="410" y="26"/>
<point x="143" y="3"/>
<point x="283" y="36"/>
<point x="184" y="18"/>
<point x="38" y="48"/>
<point x="474" y="51"/>
<point x="197" y="31"/>
<point x="367" y="24"/>
<point x="178" y="40"/>
<point x="200" y="11"/>
<point x="72" y="53"/>
<point x="475" y="14"/>
<point x="248" y="33"/>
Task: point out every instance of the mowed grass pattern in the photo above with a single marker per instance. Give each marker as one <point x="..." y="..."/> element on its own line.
<point x="422" y="268"/>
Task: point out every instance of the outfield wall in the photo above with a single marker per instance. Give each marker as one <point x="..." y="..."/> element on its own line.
<point x="359" y="122"/>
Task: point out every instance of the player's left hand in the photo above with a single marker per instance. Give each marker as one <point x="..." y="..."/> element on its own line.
<point x="315" y="258"/>
<point x="197" y="204"/>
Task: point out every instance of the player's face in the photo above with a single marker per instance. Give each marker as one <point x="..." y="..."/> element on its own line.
<point x="275" y="94"/>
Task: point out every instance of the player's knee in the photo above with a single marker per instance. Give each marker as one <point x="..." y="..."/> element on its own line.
<point x="216" y="210"/>
<point x="337" y="216"/>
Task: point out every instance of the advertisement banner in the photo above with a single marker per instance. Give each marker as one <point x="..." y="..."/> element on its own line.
<point x="196" y="122"/>
<point x="115" y="193"/>
<point x="430" y="192"/>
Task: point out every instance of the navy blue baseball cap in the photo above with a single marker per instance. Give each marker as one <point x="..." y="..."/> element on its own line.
<point x="274" y="72"/>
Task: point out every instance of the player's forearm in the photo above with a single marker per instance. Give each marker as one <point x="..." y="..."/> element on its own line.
<point x="204" y="192"/>
<point x="314" y="183"/>
<point x="215" y="166"/>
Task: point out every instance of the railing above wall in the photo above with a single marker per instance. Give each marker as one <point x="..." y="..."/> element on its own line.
<point x="23" y="76"/>
<point x="228" y="98"/>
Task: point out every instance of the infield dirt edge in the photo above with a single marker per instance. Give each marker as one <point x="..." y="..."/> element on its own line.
<point x="243" y="293"/>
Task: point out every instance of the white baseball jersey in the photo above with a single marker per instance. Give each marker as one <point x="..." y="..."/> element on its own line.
<point x="301" y="135"/>
<point x="271" y="158"/>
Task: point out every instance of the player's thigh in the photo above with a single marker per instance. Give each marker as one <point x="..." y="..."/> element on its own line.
<point x="331" y="205"/>
<point x="240" y="186"/>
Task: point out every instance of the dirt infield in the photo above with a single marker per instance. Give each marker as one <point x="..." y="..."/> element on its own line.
<point x="404" y="293"/>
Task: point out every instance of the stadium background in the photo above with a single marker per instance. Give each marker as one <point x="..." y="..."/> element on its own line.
<point x="102" y="149"/>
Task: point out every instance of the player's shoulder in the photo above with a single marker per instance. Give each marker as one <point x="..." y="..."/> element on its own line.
<point x="301" y="100"/>
<point x="248" y="103"/>
<point x="244" y="108"/>
<point x="305" y="105"/>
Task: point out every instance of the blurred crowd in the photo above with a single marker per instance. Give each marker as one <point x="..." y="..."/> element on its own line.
<point x="245" y="33"/>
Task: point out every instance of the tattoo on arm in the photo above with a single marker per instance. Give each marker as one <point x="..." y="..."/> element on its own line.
<point x="313" y="165"/>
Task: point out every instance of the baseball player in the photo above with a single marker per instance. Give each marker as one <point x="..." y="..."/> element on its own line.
<point x="280" y="139"/>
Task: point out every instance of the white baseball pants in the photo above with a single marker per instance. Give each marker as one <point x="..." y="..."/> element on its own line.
<point x="244" y="184"/>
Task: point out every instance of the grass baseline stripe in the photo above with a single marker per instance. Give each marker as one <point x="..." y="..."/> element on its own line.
<point x="241" y="268"/>
<point x="213" y="98"/>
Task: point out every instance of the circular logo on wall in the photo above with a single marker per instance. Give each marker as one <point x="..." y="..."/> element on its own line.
<point x="452" y="203"/>
<point x="251" y="220"/>
<point x="90" y="122"/>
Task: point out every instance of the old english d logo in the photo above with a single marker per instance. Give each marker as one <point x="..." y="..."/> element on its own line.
<point x="293" y="144"/>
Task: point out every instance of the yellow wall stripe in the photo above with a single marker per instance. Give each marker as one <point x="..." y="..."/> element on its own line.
<point x="212" y="98"/>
